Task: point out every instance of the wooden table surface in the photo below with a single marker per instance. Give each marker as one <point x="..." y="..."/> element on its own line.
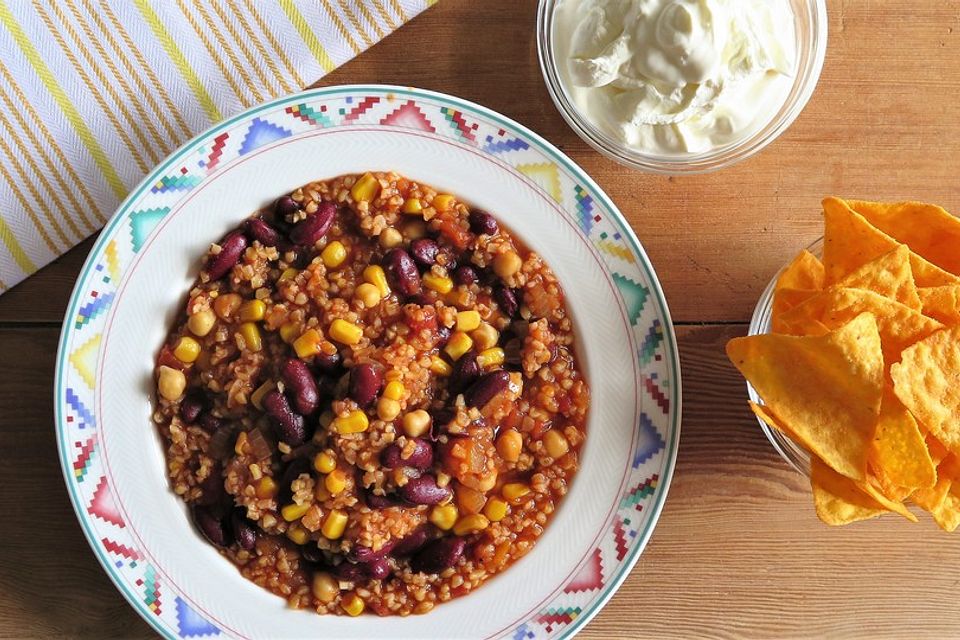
<point x="738" y="551"/>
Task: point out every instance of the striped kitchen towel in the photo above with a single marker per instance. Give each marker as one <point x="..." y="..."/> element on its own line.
<point x="94" y="93"/>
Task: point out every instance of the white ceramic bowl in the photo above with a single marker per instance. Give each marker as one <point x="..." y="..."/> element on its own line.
<point x="145" y="260"/>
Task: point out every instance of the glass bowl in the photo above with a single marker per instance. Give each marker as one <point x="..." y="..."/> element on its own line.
<point x="811" y="24"/>
<point x="793" y="453"/>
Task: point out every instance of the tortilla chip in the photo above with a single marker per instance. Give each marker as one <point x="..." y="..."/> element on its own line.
<point x="931" y="499"/>
<point x="889" y="275"/>
<point x="937" y="451"/>
<point x="947" y="515"/>
<point x="930" y="231"/>
<point x="889" y="489"/>
<point x="824" y="390"/>
<point x="805" y="272"/>
<point x="926" y="381"/>
<point x="899" y="450"/>
<point x="783" y="301"/>
<point x="899" y="325"/>
<point x="850" y="241"/>
<point x="941" y="303"/>
<point x="872" y="490"/>
<point x="837" y="498"/>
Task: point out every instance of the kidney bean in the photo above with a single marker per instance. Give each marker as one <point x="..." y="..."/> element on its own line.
<point x="307" y="232"/>
<point x="259" y="230"/>
<point x="291" y="426"/>
<point x="442" y="335"/>
<point x="465" y="372"/>
<point x="366" y="554"/>
<point x="213" y="528"/>
<point x="424" y="251"/>
<point x="485" y="388"/>
<point x="366" y="379"/>
<point x="210" y="423"/>
<point x="285" y="206"/>
<point x="231" y="248"/>
<point x="424" y="490"/>
<point x="327" y="362"/>
<point x="212" y="489"/>
<point x="303" y="388"/>
<point x="191" y="407"/>
<point x="311" y="553"/>
<point x="350" y="572"/>
<point x="413" y="541"/>
<point x="244" y="532"/>
<point x="438" y="555"/>
<point x="378" y="569"/>
<point x="443" y="417"/>
<point x="465" y="275"/>
<point x="507" y="299"/>
<point x="447" y="258"/>
<point x="421" y="458"/>
<point x="402" y="272"/>
<point x="482" y="222"/>
<point x="375" y="501"/>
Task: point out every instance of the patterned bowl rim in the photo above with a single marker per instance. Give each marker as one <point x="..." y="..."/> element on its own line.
<point x="643" y="263"/>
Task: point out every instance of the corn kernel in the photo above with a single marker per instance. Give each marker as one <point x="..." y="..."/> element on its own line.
<point x="492" y="357"/>
<point x="555" y="443"/>
<point x="201" y="322"/>
<point x="256" y="398"/>
<point x="375" y="275"/>
<point x="368" y="294"/>
<point x="495" y="509"/>
<point x="416" y="423"/>
<point x="440" y="366"/>
<point x="323" y="462"/>
<point x="289" y="332"/>
<point x="298" y="534"/>
<point x="267" y="488"/>
<point x="308" y="344"/>
<point x="354" y="422"/>
<point x="335" y="482"/>
<point x="458" y="345"/>
<point x="353" y="605"/>
<point x="334" y="525"/>
<point x="393" y="390"/>
<point x="444" y="516"/>
<point x="288" y="274"/>
<point x="509" y="445"/>
<point x="251" y="336"/>
<point x="440" y="284"/>
<point x="187" y="349"/>
<point x="388" y="409"/>
<point x="412" y="206"/>
<point x="468" y="320"/>
<point x="345" y="332"/>
<point x="252" y="310"/>
<point x="171" y="383"/>
<point x="485" y="336"/>
<point x="443" y="202"/>
<point x="470" y="524"/>
<point x="294" y="511"/>
<point x="366" y="188"/>
<point x="514" y="492"/>
<point x="333" y="254"/>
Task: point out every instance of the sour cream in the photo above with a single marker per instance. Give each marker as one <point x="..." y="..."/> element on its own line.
<point x="676" y="77"/>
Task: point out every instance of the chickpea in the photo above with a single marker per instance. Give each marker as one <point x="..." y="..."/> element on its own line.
<point x="416" y="423"/>
<point x="507" y="264"/>
<point x="509" y="445"/>
<point x="201" y="323"/>
<point x="325" y="587"/>
<point x="171" y="383"/>
<point x="555" y="443"/>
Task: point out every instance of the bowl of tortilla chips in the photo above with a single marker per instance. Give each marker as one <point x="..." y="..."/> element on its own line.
<point x="853" y="362"/>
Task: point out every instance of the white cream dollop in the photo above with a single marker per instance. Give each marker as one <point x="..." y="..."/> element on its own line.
<point x="676" y="76"/>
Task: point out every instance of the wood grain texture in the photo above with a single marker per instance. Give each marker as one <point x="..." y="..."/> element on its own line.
<point x="738" y="552"/>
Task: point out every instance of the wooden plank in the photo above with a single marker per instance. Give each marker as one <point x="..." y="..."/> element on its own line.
<point x="878" y="127"/>
<point x="738" y="551"/>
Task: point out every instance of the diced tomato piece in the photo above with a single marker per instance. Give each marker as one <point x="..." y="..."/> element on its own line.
<point x="455" y="234"/>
